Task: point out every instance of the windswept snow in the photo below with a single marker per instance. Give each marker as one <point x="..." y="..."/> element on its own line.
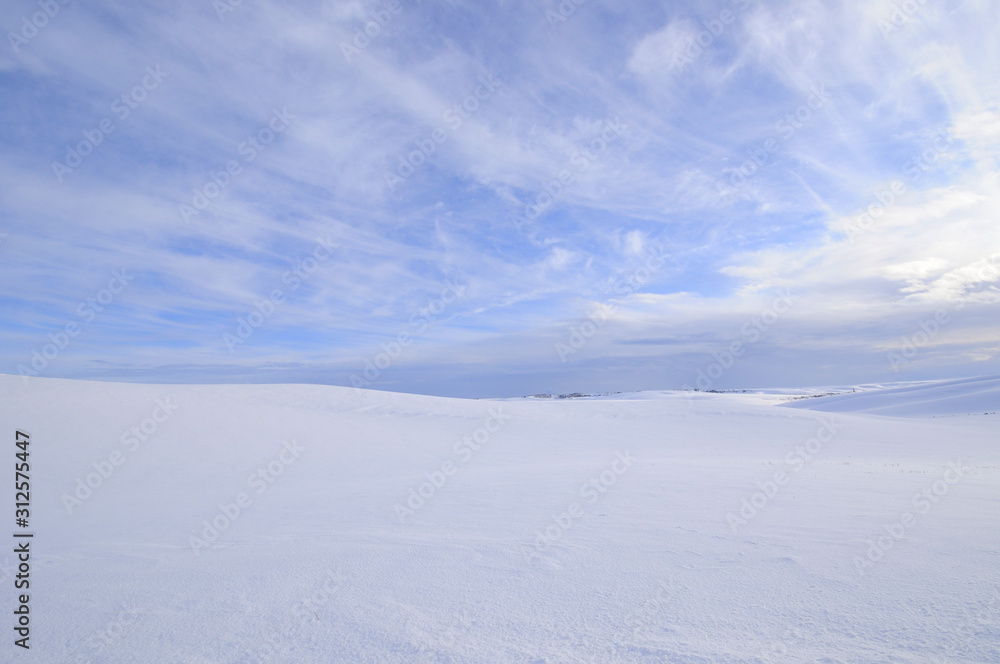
<point x="925" y="399"/>
<point x="361" y="526"/>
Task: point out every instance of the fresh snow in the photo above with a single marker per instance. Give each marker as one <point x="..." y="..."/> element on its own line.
<point x="650" y="527"/>
<point x="947" y="397"/>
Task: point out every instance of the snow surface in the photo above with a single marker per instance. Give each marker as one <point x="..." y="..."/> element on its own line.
<point x="946" y="397"/>
<point x="659" y="567"/>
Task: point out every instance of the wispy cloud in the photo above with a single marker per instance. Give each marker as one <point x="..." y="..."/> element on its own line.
<point x="725" y="160"/>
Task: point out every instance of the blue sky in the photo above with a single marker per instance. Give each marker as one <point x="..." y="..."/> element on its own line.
<point x="495" y="199"/>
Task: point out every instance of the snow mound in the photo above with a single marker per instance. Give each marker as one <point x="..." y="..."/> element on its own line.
<point x="967" y="396"/>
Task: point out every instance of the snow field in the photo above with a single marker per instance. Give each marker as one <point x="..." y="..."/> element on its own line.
<point x="576" y="530"/>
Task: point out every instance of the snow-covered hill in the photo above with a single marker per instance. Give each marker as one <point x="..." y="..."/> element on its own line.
<point x="302" y="523"/>
<point x="925" y="399"/>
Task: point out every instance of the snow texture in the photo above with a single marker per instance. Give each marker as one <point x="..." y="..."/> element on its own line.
<point x="379" y="527"/>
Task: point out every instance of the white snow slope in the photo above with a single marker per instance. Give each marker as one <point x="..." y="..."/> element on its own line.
<point x="651" y="527"/>
<point x="946" y="397"/>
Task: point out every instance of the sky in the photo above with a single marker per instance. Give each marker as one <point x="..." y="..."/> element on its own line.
<point x="485" y="199"/>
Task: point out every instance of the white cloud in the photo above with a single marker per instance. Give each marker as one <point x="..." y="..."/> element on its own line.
<point x="659" y="185"/>
<point x="657" y="53"/>
<point x="635" y="242"/>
